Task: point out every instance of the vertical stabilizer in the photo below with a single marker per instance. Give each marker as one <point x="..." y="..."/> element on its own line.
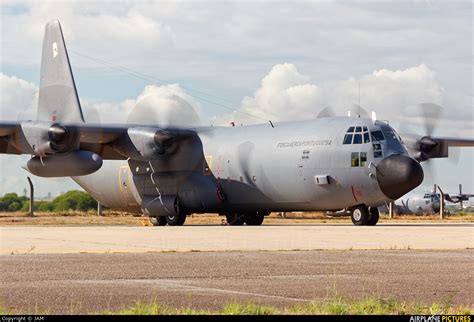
<point x="58" y="100"/>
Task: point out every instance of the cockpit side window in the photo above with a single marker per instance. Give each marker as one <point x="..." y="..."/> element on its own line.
<point x="377" y="136"/>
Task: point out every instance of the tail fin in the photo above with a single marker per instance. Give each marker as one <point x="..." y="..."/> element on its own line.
<point x="58" y="100"/>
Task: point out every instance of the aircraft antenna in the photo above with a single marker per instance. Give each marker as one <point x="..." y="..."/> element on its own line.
<point x="358" y="107"/>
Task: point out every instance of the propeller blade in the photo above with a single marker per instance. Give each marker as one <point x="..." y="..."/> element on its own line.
<point x="359" y="111"/>
<point x="326" y="111"/>
<point x="431" y="113"/>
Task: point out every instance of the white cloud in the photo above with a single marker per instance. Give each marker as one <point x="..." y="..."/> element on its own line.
<point x="17" y="97"/>
<point x="285" y="94"/>
<point x="91" y="30"/>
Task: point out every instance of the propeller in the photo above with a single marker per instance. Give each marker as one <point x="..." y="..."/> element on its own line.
<point x="326" y="111"/>
<point x="423" y="147"/>
<point x="359" y="111"/>
<point x="61" y="138"/>
<point x="355" y="110"/>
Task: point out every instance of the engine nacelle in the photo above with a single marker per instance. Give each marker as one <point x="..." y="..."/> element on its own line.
<point x="161" y="206"/>
<point x="73" y="164"/>
<point x="144" y="144"/>
<point x="46" y="138"/>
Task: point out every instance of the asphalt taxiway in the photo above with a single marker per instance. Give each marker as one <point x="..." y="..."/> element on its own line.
<point x="88" y="283"/>
<point x="106" y="239"/>
<point x="92" y="269"/>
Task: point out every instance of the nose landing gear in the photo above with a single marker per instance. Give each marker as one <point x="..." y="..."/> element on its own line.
<point x="363" y="216"/>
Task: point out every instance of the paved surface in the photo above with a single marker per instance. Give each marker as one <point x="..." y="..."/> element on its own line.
<point x="105" y="239"/>
<point x="82" y="283"/>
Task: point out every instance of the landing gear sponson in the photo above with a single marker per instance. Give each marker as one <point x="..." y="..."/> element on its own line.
<point x="363" y="216"/>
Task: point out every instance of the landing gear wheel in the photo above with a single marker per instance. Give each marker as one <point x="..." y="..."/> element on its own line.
<point x="176" y="220"/>
<point x="374" y="216"/>
<point x="360" y="215"/>
<point x="158" y="221"/>
<point x="235" y="219"/>
<point x="254" y="218"/>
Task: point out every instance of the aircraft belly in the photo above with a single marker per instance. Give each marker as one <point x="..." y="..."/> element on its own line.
<point x="112" y="185"/>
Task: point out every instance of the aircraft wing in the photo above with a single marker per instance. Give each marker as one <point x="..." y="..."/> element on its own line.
<point x="423" y="148"/>
<point x="110" y="141"/>
<point x="7" y="128"/>
<point x="458" y="198"/>
<point x="455" y="142"/>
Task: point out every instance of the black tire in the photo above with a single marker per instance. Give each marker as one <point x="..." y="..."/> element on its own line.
<point x="176" y="220"/>
<point x="254" y="218"/>
<point x="158" y="221"/>
<point x="360" y="215"/>
<point x="235" y="219"/>
<point x="373" y="216"/>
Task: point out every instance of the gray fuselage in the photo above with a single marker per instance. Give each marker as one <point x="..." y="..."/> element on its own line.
<point x="289" y="167"/>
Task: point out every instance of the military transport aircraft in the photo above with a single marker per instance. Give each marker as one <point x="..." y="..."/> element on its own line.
<point x="426" y="203"/>
<point x="245" y="172"/>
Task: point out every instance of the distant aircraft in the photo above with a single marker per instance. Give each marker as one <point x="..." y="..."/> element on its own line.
<point x="427" y="203"/>
<point x="168" y="171"/>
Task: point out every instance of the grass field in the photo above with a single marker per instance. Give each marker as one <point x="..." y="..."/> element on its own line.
<point x="332" y="306"/>
<point x="122" y="218"/>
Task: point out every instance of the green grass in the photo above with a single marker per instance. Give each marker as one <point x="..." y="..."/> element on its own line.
<point x="334" y="306"/>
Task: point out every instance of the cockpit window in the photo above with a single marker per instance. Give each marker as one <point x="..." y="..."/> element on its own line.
<point x="347" y="139"/>
<point x="377" y="136"/>
<point x="357" y="139"/>
<point x="357" y="135"/>
<point x="366" y="137"/>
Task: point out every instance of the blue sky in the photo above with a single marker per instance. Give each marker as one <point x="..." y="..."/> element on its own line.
<point x="274" y="58"/>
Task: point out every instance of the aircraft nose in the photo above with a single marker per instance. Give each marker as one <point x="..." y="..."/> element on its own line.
<point x="398" y="174"/>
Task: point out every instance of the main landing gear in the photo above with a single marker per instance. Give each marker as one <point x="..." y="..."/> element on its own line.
<point x="249" y="218"/>
<point x="172" y="220"/>
<point x="363" y="216"/>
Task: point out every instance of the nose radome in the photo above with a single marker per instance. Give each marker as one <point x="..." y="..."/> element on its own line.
<point x="398" y="174"/>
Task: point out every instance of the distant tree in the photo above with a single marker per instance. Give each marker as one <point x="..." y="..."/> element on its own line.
<point x="74" y="200"/>
<point x="14" y="206"/>
<point x="44" y="206"/>
<point x="9" y="198"/>
<point x="71" y="200"/>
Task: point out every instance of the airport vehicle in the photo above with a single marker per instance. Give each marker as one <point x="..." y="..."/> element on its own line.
<point x="168" y="171"/>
